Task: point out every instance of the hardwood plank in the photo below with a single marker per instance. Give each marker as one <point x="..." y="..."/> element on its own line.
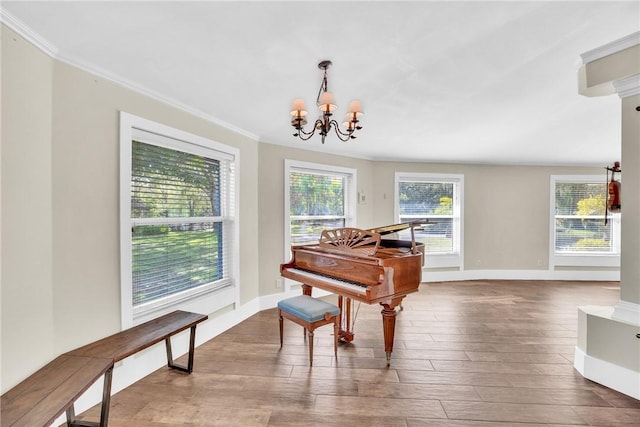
<point x="491" y="367"/>
<point x="512" y="412"/>
<point x="492" y="356"/>
<point x="419" y="391"/>
<point x="421" y="422"/>
<point x="454" y="378"/>
<point x="378" y="407"/>
<point x="571" y="397"/>
<point x="171" y="413"/>
<point x="609" y="416"/>
<point x="367" y="375"/>
<point x="281" y="418"/>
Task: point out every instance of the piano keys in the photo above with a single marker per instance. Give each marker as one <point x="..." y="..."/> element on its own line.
<point x="359" y="265"/>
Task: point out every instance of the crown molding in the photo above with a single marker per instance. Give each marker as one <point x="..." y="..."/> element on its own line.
<point x="116" y="79"/>
<point x="27" y="33"/>
<point x="49" y="49"/>
<point x="628" y="86"/>
<point x="611" y="48"/>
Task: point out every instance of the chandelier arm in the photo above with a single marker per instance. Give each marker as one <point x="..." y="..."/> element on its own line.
<point x="304" y="135"/>
<point x="308" y="137"/>
<point x="343" y="136"/>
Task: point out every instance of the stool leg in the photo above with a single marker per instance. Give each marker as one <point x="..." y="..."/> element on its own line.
<point x="281" y="327"/>
<point x="311" y="347"/>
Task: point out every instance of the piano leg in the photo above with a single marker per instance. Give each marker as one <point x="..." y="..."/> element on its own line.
<point x="389" y="325"/>
<point x="346" y="334"/>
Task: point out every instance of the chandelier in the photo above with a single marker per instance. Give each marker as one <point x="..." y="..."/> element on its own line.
<point x="327" y="105"/>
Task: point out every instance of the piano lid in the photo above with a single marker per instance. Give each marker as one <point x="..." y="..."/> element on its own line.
<point x="394" y="228"/>
<point x="364" y="242"/>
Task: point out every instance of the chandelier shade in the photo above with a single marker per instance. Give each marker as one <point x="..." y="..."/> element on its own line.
<point x="298" y="108"/>
<point x="327" y="105"/>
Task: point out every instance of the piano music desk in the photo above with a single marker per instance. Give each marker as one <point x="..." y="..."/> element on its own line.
<point x="310" y="313"/>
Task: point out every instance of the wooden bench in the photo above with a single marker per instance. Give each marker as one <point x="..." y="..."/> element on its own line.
<point x="48" y="393"/>
<point x="130" y="341"/>
<point x="51" y="391"/>
<point x="310" y="313"/>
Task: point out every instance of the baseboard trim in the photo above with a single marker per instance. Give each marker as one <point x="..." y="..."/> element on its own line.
<point x="609" y="375"/>
<point x="586" y="275"/>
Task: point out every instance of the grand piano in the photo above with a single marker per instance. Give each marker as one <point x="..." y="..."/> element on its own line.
<point x="360" y="265"/>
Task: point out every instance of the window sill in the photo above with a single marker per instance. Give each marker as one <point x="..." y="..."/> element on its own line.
<point x="585" y="260"/>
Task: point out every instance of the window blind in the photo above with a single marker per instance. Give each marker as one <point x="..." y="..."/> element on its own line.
<point x="317" y="202"/>
<point x="181" y="222"/>
<point x="437" y="202"/>
<point x="579" y="218"/>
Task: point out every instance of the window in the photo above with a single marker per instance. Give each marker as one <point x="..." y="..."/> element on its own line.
<point x="436" y="198"/>
<point x="317" y="197"/>
<point x="178" y="220"/>
<point x="579" y="233"/>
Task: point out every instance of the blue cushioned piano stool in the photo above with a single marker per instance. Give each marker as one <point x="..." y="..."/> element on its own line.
<point x="310" y="313"/>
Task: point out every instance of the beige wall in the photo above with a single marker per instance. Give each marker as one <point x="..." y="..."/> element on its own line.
<point x="28" y="339"/>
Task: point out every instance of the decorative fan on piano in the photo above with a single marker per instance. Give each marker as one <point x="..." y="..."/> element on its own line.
<point x="350" y="240"/>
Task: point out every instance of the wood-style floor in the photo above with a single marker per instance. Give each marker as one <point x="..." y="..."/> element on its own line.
<point x="477" y="353"/>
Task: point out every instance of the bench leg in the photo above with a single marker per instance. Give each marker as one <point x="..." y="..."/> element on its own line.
<point x="106" y="398"/>
<point x="104" y="412"/>
<point x="71" y="416"/>
<point x="192" y="341"/>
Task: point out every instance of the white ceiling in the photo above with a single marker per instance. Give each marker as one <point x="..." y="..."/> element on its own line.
<point x="481" y="82"/>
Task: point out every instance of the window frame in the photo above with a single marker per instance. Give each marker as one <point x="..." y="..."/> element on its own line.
<point x="455" y="258"/>
<point x="350" y="196"/>
<point x="205" y="298"/>
<point x="581" y="259"/>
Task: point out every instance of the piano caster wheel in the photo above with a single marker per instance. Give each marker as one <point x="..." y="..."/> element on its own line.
<point x="388" y="359"/>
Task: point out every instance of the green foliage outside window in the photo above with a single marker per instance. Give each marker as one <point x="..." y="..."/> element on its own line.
<point x="432" y="201"/>
<point x="579" y="219"/>
<point x="312" y="194"/>
<point x="593" y="205"/>
<point x="173" y="256"/>
<point x="316" y="202"/>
